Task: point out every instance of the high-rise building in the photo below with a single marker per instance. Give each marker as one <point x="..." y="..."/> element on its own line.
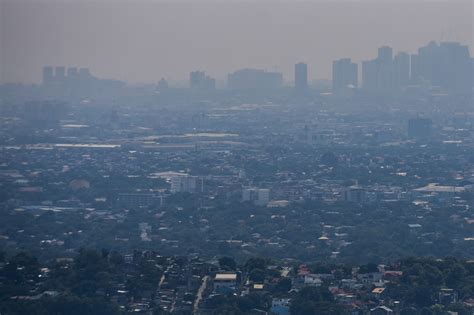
<point x="445" y="65"/>
<point x="48" y="75"/>
<point x="401" y="70"/>
<point x="72" y="73"/>
<point x="385" y="55"/>
<point x="301" y="76"/>
<point x="84" y="74"/>
<point x="162" y="85"/>
<point x="472" y="72"/>
<point x="248" y="79"/>
<point x="198" y="80"/>
<point x="195" y="78"/>
<point x="415" y="69"/>
<point x="60" y="74"/>
<point x="355" y="194"/>
<point x="377" y="74"/>
<point x="369" y="75"/>
<point x="258" y="196"/>
<point x="385" y="69"/>
<point x="186" y="183"/>
<point x="344" y="75"/>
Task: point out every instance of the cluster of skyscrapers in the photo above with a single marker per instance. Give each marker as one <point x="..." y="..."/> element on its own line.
<point x="76" y="82"/>
<point x="60" y="74"/>
<point x="200" y="81"/>
<point x="244" y="79"/>
<point x="447" y="66"/>
<point x="345" y="76"/>
<point x="254" y="79"/>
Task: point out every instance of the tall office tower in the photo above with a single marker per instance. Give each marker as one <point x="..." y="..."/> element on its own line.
<point x="369" y="75"/>
<point x="186" y="183"/>
<point x="72" y="73"/>
<point x="48" y="74"/>
<point x="426" y="63"/>
<point x="385" y="69"/>
<point x="401" y="70"/>
<point x="415" y="69"/>
<point x="84" y="73"/>
<point x="301" y="76"/>
<point x="444" y="65"/>
<point x="198" y="80"/>
<point x="60" y="74"/>
<point x="249" y="79"/>
<point x="385" y="54"/>
<point x="258" y="196"/>
<point x="344" y="75"/>
<point x="377" y="74"/>
<point x="454" y="66"/>
<point x="162" y="85"/>
<point x="195" y="78"/>
<point x="472" y="72"/>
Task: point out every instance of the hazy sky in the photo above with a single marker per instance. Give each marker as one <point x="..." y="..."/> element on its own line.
<point x="142" y="41"/>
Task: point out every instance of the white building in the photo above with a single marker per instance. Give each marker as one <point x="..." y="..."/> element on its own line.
<point x="355" y="194"/>
<point x="186" y="183"/>
<point x="225" y="282"/>
<point x="260" y="197"/>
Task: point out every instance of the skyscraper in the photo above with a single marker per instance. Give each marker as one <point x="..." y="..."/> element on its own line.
<point x="48" y="75"/>
<point x="72" y="73"/>
<point x="344" y="75"/>
<point x="415" y="68"/>
<point x="369" y="75"/>
<point x="385" y="69"/>
<point x="199" y="80"/>
<point x="401" y="70"/>
<point x="249" y="79"/>
<point x="301" y="76"/>
<point x="60" y="74"/>
<point x="385" y="54"/>
<point x="377" y="74"/>
<point x="445" y="65"/>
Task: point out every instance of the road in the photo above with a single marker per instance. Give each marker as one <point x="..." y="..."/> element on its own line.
<point x="201" y="290"/>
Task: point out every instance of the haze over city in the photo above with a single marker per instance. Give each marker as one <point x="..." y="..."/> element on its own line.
<point x="248" y="157"/>
<point x="143" y="41"/>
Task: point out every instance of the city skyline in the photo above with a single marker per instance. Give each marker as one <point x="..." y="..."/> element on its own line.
<point x="389" y="71"/>
<point x="218" y="42"/>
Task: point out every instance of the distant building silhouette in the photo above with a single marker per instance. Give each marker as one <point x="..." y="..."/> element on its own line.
<point x="446" y="65"/>
<point x="60" y="74"/>
<point x="301" y="76"/>
<point x="48" y="75"/>
<point x="84" y="73"/>
<point x="72" y="73"/>
<point x="61" y="82"/>
<point x="369" y="75"/>
<point x="186" y="183"/>
<point x="401" y="70"/>
<point x="162" y="85"/>
<point x="198" y="80"/>
<point x="257" y="196"/>
<point x="385" y="69"/>
<point x="246" y="79"/>
<point x="344" y="75"/>
<point x="387" y="74"/>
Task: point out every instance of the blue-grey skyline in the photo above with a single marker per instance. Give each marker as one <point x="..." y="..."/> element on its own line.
<point x="142" y="41"/>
